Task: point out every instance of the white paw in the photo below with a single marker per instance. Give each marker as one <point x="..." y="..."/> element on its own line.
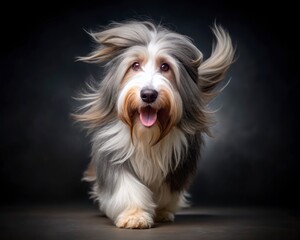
<point x="164" y="216"/>
<point x="134" y="218"/>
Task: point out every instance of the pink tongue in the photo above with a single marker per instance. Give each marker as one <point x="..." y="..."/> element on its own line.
<point x="148" y="116"/>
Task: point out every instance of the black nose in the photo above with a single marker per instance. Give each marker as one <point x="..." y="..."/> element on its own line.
<point x="149" y="95"/>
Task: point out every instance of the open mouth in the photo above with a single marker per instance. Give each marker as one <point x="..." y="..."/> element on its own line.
<point x="148" y="116"/>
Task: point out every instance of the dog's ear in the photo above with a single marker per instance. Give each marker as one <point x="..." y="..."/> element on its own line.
<point x="115" y="38"/>
<point x="109" y="42"/>
<point x="212" y="71"/>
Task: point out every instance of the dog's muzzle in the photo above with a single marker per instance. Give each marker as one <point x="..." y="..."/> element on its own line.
<point x="148" y="95"/>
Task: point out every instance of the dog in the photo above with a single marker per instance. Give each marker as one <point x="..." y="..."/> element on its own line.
<point x="147" y="118"/>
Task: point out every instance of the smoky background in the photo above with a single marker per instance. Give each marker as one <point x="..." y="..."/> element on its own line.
<point x="253" y="157"/>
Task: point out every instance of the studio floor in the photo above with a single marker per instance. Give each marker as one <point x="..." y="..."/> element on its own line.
<point x="83" y="221"/>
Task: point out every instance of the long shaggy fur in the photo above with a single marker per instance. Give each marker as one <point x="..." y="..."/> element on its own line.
<point x="145" y="146"/>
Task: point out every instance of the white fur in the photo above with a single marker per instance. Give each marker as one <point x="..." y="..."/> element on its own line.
<point x="129" y="193"/>
<point x="118" y="137"/>
<point x="141" y="173"/>
<point x="153" y="164"/>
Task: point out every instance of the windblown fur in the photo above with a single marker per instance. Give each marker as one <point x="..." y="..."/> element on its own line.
<point x="147" y="118"/>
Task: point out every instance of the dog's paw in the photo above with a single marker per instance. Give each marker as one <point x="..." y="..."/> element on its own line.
<point x="134" y="218"/>
<point x="164" y="216"/>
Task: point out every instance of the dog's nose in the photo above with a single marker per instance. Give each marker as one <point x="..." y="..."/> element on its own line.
<point x="148" y="95"/>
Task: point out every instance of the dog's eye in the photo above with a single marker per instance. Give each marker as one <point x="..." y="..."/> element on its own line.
<point x="164" y="67"/>
<point x="136" y="66"/>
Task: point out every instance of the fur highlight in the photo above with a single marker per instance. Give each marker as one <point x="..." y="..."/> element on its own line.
<point x="145" y="150"/>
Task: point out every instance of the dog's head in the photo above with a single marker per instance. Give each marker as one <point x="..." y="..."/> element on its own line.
<point x="156" y="79"/>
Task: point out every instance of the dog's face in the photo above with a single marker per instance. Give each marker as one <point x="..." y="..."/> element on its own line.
<point x="156" y="79"/>
<point x="148" y="100"/>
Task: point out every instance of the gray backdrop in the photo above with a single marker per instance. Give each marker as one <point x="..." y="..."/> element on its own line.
<point x="254" y="156"/>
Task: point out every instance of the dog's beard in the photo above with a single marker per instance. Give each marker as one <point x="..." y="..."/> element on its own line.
<point x="150" y="122"/>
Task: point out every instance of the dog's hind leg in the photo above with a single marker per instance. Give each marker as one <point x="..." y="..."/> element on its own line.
<point x="168" y="204"/>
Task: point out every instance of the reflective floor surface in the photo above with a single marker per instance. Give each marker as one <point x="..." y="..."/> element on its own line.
<point x="82" y="221"/>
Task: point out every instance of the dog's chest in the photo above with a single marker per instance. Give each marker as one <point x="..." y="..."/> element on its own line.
<point x="153" y="163"/>
<point x="150" y="170"/>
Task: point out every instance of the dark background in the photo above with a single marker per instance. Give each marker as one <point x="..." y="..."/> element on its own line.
<point x="254" y="156"/>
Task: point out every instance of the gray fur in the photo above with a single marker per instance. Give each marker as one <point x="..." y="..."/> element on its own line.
<point x="195" y="81"/>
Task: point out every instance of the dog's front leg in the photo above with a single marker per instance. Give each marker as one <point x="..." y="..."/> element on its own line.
<point x="129" y="204"/>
